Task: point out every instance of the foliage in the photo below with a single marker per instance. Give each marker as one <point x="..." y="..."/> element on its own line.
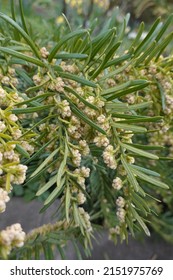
<point x="79" y="109"/>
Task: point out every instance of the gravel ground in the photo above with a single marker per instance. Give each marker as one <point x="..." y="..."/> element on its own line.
<point x="27" y="214"/>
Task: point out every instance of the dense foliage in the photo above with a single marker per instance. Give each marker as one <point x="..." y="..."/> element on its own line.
<point x="85" y="115"/>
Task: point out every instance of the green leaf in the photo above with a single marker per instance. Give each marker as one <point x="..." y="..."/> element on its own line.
<point x="148" y="38"/>
<point x="145" y="170"/>
<point x="65" y="56"/>
<point x="95" y="40"/>
<point x="131" y="177"/>
<point x="116" y="106"/>
<point x="37" y="251"/>
<point x="166" y="158"/>
<point x="126" y="88"/>
<point x="30" y="109"/>
<point x="45" y="162"/>
<point x="99" y="42"/>
<point x="159" y="48"/>
<point x="142" y="201"/>
<point x="8" y="184"/>
<point x="164" y="45"/>
<point x="48" y="253"/>
<point x="76" y="78"/>
<point x="40" y="97"/>
<point x="162" y="95"/>
<point x="122" y="86"/>
<point x="22" y="151"/>
<point x="140" y="221"/>
<point x="131" y="117"/>
<point x="146" y="53"/>
<point x="37" y="124"/>
<point x="13" y="10"/>
<point x="16" y="34"/>
<point x="56" y="192"/>
<point x="23" y="74"/>
<point x="140" y="119"/>
<point x="107" y="57"/>
<point x="77" y="250"/>
<point x="147" y="147"/>
<point x="113" y="73"/>
<point x="140" y="105"/>
<point x="35" y="88"/>
<point x="150" y="180"/>
<point x="19" y="61"/>
<point x="139" y="204"/>
<point x="59" y="180"/>
<point x="47" y="186"/>
<point x="20" y="48"/>
<point x="80" y="115"/>
<point x="164" y="27"/>
<point x="22" y="17"/>
<point x="83" y="100"/>
<point x="61" y="252"/>
<point x="61" y="170"/>
<point x="138" y="36"/>
<point x="64" y="40"/>
<point x="139" y="151"/>
<point x="22" y="32"/>
<point x="39" y="152"/>
<point x="76" y="214"/>
<point x="23" y="56"/>
<point x="5" y="136"/>
<point x="37" y="176"/>
<point x="130" y="127"/>
<point x="117" y="60"/>
<point x="123" y="27"/>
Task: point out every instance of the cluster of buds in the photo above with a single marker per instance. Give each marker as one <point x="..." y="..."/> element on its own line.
<point x="86" y="218"/>
<point x="81" y="198"/>
<point x="101" y="140"/>
<point x="74" y="128"/>
<point x="169" y="104"/>
<point x="44" y="52"/>
<point x="9" y="78"/>
<point x="113" y="232"/>
<point x="64" y="109"/>
<point x="2" y="126"/>
<point x="76" y="157"/>
<point x="18" y="174"/>
<point x="28" y="147"/>
<point x="4" y="198"/>
<point x="10" y="166"/>
<point x="95" y="101"/>
<point x="2" y="93"/>
<point x="13" y="236"/>
<point x="11" y="171"/>
<point x="120" y="202"/>
<point x="37" y="79"/>
<point x="103" y="122"/>
<point x="59" y="84"/>
<point x="117" y="183"/>
<point x="83" y="171"/>
<point x="84" y="148"/>
<point x="10" y="99"/>
<point x="109" y="157"/>
<point x="81" y="174"/>
<point x="71" y="68"/>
